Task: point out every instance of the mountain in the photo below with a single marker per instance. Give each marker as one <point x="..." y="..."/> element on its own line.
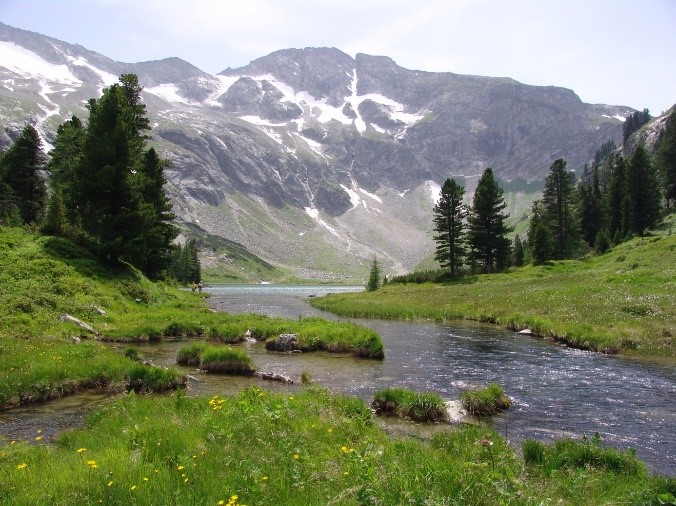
<point x="312" y="159"/>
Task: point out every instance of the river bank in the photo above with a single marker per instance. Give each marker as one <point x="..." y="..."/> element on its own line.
<point x="621" y="302"/>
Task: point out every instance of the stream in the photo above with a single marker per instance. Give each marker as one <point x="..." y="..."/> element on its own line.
<point x="556" y="391"/>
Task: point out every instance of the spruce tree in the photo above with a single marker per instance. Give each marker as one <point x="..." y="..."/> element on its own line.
<point x="643" y="192"/>
<point x="518" y="253"/>
<point x="614" y="199"/>
<point x="667" y="157"/>
<point x="449" y="215"/>
<point x="558" y="201"/>
<point x="540" y="240"/>
<point x="486" y="225"/>
<point x="64" y="159"/>
<point x="20" y="170"/>
<point x="374" y="277"/>
<point x="591" y="209"/>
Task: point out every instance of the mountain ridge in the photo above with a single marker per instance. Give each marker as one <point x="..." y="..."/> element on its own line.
<point x="313" y="159"/>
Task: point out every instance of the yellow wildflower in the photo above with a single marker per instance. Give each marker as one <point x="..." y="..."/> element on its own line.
<point x="109" y="483"/>
<point x="22" y="466"/>
<point x="38" y="438"/>
<point x="180" y="468"/>
<point x="133" y="487"/>
<point x="145" y="478"/>
<point x="80" y="450"/>
<point x="296" y="456"/>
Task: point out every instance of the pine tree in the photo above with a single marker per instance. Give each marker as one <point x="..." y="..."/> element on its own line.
<point x="449" y="214"/>
<point x="64" y="159"/>
<point x="591" y="211"/>
<point x="643" y="192"/>
<point x="151" y="250"/>
<point x="667" y="157"/>
<point x="374" y="277"/>
<point x="518" y="253"/>
<point x="540" y="241"/>
<point x="634" y="122"/>
<point x="614" y="199"/>
<point x="486" y="225"/>
<point x="55" y="222"/>
<point x="559" y="209"/>
<point x="20" y="171"/>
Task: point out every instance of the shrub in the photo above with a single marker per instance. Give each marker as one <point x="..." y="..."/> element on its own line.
<point x="485" y="402"/>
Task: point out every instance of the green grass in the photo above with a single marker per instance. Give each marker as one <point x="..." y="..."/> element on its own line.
<point x="486" y="401"/>
<point x="308" y="448"/>
<point x="44" y="277"/>
<point x="623" y="301"/>
<point x="417" y="406"/>
<point x="216" y="359"/>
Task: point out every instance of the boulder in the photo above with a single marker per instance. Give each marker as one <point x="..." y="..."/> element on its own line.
<point x="284" y="343"/>
<point x="84" y="326"/>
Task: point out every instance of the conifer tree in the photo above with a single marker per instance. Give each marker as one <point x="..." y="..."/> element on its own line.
<point x="540" y="240"/>
<point x="64" y="159"/>
<point x="449" y="215"/>
<point x="615" y="208"/>
<point x="374" y="277"/>
<point x="20" y="170"/>
<point x="518" y="253"/>
<point x="55" y="221"/>
<point x="667" y="157"/>
<point x="486" y="225"/>
<point x="591" y="209"/>
<point x="643" y="192"/>
<point x="559" y="209"/>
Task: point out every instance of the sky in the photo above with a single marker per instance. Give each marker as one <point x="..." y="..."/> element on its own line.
<point x="616" y="52"/>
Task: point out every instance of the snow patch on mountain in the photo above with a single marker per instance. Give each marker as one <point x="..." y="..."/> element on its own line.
<point x="168" y="92"/>
<point x="314" y="214"/>
<point x="107" y="78"/>
<point x="28" y="64"/>
<point x="434" y="191"/>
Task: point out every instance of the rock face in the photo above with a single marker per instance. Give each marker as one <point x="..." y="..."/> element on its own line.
<point x="306" y="154"/>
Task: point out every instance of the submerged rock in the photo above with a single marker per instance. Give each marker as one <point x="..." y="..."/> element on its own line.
<point x="284" y="343"/>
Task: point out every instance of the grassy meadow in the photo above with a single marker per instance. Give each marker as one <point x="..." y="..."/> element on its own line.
<point x="309" y="448"/>
<point x="255" y="448"/>
<point x="623" y="301"/>
<point x="42" y="278"/>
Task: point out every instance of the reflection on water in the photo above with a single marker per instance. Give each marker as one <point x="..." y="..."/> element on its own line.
<point x="557" y="392"/>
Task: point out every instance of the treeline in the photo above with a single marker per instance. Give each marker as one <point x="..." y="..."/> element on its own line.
<point x="615" y="199"/>
<point x="104" y="186"/>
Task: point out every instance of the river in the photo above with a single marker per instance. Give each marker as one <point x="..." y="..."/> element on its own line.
<point x="556" y="391"/>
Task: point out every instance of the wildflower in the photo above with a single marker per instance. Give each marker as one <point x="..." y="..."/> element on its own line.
<point x="180" y="468"/>
<point x="296" y="456"/>
<point x="221" y="502"/>
<point x="264" y="478"/>
<point x="80" y="450"/>
<point x="486" y="442"/>
<point x="145" y="478"/>
<point x="132" y="488"/>
<point x="22" y="466"/>
<point x="91" y="462"/>
<point x="38" y="438"/>
<point x="329" y="430"/>
<point x="344" y="449"/>
<point x="109" y="483"/>
<point x="346" y="473"/>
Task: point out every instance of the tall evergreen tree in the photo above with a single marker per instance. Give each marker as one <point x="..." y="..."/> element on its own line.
<point x="109" y="206"/>
<point x="64" y="159"/>
<point x="643" y="192"/>
<point x="20" y="171"/>
<point x="614" y="198"/>
<point x="540" y="240"/>
<point x="374" y="277"/>
<point x="634" y="122"/>
<point x="486" y="225"/>
<point x="449" y="215"/>
<point x="559" y="210"/>
<point x="518" y="253"/>
<point x="151" y="250"/>
<point x="667" y="157"/>
<point x="591" y="208"/>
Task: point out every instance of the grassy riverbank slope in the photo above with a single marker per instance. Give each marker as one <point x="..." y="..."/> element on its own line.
<point x="623" y="301"/>
<point x="45" y="356"/>
<point x="309" y="448"/>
